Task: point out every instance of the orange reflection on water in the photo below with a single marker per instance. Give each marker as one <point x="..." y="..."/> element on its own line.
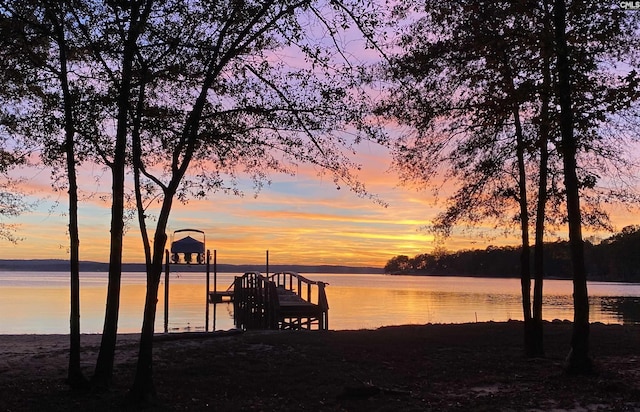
<point x="36" y="303"/>
<point x="22" y="310"/>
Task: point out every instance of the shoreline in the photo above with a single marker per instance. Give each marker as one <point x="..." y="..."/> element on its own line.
<point x="440" y="367"/>
<point x="61" y="266"/>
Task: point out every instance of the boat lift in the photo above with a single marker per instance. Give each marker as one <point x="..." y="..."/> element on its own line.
<point x="189" y="250"/>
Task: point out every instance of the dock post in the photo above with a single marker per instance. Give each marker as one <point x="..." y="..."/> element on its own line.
<point x="215" y="286"/>
<point x="166" y="292"/>
<point x="206" y="313"/>
<point x="323" y="303"/>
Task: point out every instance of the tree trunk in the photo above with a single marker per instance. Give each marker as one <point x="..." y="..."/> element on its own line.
<point x="578" y="360"/>
<point x="537" y="338"/>
<point x="75" y="378"/>
<point x="104" y="365"/>
<point x="139" y="13"/>
<point x="143" y="389"/>
<point x="525" y="264"/>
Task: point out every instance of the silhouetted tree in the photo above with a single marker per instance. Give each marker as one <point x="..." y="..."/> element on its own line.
<point x="12" y="198"/>
<point x="614" y="259"/>
<point x="57" y="16"/>
<point x="81" y="104"/>
<point x="105" y="35"/>
<point x="401" y="264"/>
<point x="130" y="19"/>
<point x="472" y="76"/>
<point x="195" y="86"/>
<point x="237" y="104"/>
<point x="590" y="38"/>
<point x="38" y="44"/>
<point x="468" y="80"/>
<point x="579" y="357"/>
<point x="545" y="127"/>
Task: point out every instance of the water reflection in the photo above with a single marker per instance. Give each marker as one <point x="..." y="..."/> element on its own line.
<point x="625" y="309"/>
<point x="32" y="303"/>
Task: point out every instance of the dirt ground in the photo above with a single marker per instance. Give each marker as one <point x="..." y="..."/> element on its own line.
<point x="476" y="367"/>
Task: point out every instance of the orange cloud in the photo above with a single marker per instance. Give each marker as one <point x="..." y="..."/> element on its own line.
<point x="300" y="219"/>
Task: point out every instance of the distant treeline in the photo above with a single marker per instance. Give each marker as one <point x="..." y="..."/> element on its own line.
<point x="60" y="265"/>
<point x="615" y="259"/>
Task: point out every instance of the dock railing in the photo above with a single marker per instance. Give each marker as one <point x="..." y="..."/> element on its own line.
<point x="257" y="301"/>
<point x="254" y="302"/>
<point x="310" y="291"/>
<point x="301" y="286"/>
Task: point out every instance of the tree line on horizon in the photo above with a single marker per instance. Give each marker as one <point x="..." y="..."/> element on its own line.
<point x="614" y="259"/>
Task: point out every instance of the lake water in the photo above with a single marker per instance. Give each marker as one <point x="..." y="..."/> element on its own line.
<point x="33" y="302"/>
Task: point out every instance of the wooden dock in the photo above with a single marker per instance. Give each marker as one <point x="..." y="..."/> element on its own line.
<point x="283" y="300"/>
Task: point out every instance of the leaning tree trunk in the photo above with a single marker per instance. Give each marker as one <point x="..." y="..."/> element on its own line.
<point x="578" y="360"/>
<point x="143" y="389"/>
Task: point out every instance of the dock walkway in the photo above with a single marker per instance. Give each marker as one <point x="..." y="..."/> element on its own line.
<point x="283" y="300"/>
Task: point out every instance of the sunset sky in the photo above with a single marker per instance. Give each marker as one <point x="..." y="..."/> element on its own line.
<point x="300" y="220"/>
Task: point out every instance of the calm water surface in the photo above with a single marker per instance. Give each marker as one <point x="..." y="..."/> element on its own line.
<point x="33" y="302"/>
